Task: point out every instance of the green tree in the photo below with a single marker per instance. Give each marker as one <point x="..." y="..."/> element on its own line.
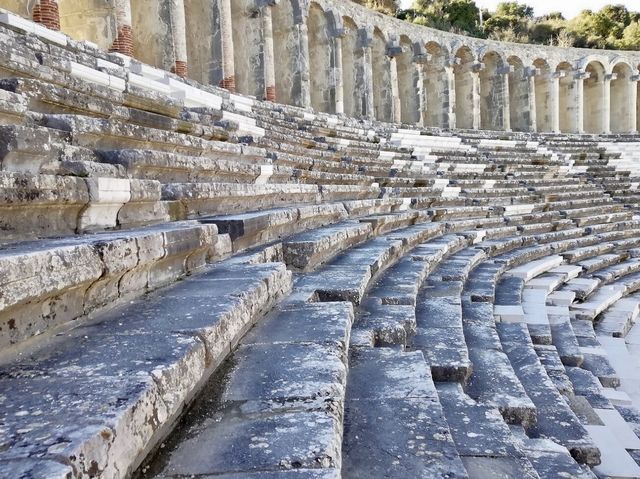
<point x="459" y="16"/>
<point x="630" y="37"/>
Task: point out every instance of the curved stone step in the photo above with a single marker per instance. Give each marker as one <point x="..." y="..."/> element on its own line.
<point x="108" y="415"/>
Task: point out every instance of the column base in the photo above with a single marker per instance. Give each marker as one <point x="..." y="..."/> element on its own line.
<point x="180" y="68"/>
<point x="228" y="83"/>
<point x="270" y="93"/>
<point x="124" y="42"/>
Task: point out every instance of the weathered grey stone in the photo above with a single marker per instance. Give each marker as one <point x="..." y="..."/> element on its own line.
<point x="236" y="442"/>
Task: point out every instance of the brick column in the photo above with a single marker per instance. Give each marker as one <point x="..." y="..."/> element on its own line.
<point x="179" y="35"/>
<point x="46" y="12"/>
<point x="124" y="41"/>
<point x="269" y="59"/>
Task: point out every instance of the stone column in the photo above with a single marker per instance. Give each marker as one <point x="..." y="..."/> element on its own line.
<point x="633" y="98"/>
<point x="364" y="78"/>
<point x="228" y="74"/>
<point x="396" y="107"/>
<point x="554" y="100"/>
<point x="301" y="94"/>
<point x="269" y="60"/>
<point x="475" y="75"/>
<point x="124" y="41"/>
<point x="530" y="74"/>
<point x="606" y="102"/>
<point x="179" y="34"/>
<point x="422" y="91"/>
<point x="47" y="13"/>
<point x="451" y="80"/>
<point x="338" y="80"/>
<point x="578" y="99"/>
<point x="506" y="100"/>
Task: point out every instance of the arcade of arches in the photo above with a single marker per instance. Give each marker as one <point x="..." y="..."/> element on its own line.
<point x="313" y="54"/>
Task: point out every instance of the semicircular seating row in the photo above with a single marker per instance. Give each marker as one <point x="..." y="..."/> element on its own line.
<point x="198" y="284"/>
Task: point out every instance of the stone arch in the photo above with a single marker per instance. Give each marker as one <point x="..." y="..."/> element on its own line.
<point x="492" y="93"/>
<point x="464" y="85"/>
<point x="320" y="61"/>
<point x="382" y="92"/>
<point x="622" y="119"/>
<point x="91" y="20"/>
<point x="568" y="99"/>
<point x="521" y="96"/>
<point x="437" y="88"/>
<point x="595" y="105"/>
<point x="544" y="97"/>
<point x="248" y="39"/>
<point x="407" y="83"/>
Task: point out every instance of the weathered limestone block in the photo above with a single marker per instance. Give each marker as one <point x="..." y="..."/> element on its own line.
<point x="91" y="272"/>
<point x="197" y="199"/>
<point x="144" y="206"/>
<point x="306" y="251"/>
<point x="12" y="108"/>
<point x="40" y="205"/>
<point x="106" y="198"/>
<point x="26" y="150"/>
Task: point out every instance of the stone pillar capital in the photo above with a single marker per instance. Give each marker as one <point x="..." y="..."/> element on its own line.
<point x="477" y="66"/>
<point x="635" y="78"/>
<point x="581" y="75"/>
<point x="610" y="77"/>
<point x="530" y="72"/>
<point x="505" y="70"/>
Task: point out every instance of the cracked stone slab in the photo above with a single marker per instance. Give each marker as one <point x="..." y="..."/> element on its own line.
<point x="555" y="420"/>
<point x="494" y="382"/>
<point x="234" y="443"/>
<point x="478" y="430"/>
<point x="445" y="351"/>
<point x="305" y="251"/>
<point x="286" y="370"/>
<point x="324" y="473"/>
<point x="383" y="373"/>
<point x="320" y="323"/>
<point x="391" y="324"/>
<point x="552" y="460"/>
<point x="398" y="438"/>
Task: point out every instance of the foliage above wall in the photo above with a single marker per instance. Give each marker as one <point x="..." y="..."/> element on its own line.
<point x="613" y="26"/>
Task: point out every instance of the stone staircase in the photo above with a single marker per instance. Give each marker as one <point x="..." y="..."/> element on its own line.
<point x="198" y="284"/>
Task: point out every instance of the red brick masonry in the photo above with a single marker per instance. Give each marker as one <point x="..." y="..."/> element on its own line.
<point x="124" y="42"/>
<point x="271" y="93"/>
<point x="46" y="12"/>
<point x="180" y="68"/>
<point x="229" y="83"/>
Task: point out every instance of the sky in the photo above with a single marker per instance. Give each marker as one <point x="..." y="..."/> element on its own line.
<point x="569" y="8"/>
